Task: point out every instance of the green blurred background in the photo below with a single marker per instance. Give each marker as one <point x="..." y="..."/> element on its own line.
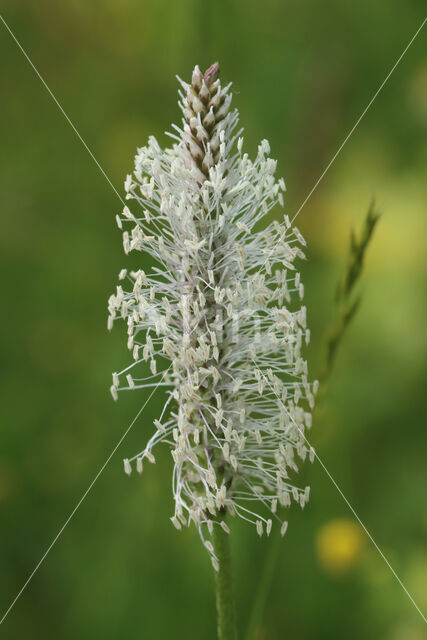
<point x="302" y="74"/>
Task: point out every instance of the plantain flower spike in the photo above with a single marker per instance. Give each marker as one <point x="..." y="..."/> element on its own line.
<point x="218" y="321"/>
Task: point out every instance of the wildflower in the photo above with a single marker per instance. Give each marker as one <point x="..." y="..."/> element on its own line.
<point x="221" y="307"/>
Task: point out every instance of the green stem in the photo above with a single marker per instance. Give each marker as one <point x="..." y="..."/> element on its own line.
<point x="264" y="584"/>
<point x="224" y="589"/>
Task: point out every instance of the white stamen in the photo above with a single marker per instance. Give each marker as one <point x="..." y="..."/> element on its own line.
<point x="215" y="321"/>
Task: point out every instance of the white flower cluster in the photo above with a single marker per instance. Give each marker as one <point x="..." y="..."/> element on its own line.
<point x="217" y="319"/>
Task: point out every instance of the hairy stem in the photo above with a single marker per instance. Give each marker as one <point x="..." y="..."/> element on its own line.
<point x="224" y="587"/>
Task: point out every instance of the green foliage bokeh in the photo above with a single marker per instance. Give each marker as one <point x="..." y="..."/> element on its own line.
<point x="302" y="74"/>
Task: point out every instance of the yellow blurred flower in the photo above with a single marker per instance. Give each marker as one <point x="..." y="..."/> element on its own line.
<point x="339" y="545"/>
